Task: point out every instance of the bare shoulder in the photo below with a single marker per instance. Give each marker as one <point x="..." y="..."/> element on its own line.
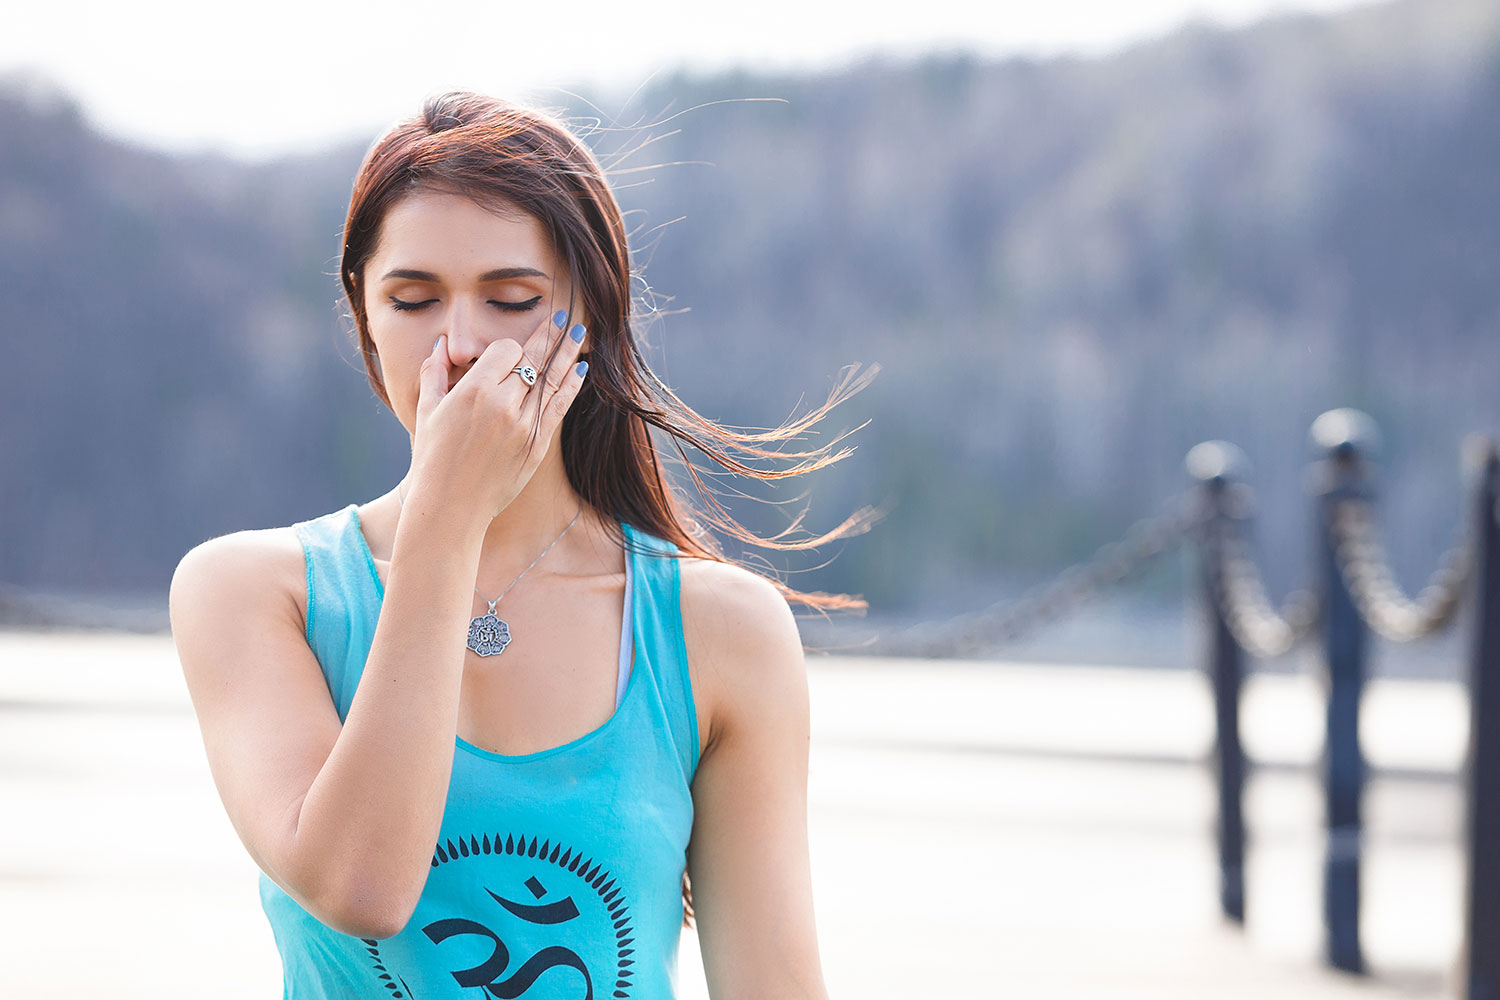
<point x="744" y="651"/>
<point x="264" y="709"/>
<point x="712" y="589"/>
<point x="261" y="570"/>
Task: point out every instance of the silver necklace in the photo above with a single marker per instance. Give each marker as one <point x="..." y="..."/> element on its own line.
<point x="488" y="633"/>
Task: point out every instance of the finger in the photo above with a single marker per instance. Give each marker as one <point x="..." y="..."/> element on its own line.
<point x="534" y="347"/>
<point x="495" y="362"/>
<point x="540" y="343"/>
<point x="433" y="383"/>
<point x="541" y="338"/>
<point x="563" y="398"/>
<point x="565" y="357"/>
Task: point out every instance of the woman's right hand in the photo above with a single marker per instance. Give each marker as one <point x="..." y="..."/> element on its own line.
<point x="310" y="790"/>
<point x="474" y="444"/>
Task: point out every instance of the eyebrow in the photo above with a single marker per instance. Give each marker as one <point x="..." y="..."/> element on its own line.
<point x="499" y="274"/>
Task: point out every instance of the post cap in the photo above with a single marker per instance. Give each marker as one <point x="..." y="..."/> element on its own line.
<point x="1345" y="434"/>
<point x="1217" y="462"/>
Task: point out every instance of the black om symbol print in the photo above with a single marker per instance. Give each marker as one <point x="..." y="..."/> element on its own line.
<point x="487" y="973"/>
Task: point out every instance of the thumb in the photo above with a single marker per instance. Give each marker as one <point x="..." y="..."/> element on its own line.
<point x="433" y="385"/>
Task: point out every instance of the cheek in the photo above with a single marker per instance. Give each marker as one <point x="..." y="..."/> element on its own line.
<point x="399" y="372"/>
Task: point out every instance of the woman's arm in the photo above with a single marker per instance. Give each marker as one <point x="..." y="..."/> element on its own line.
<point x="748" y="856"/>
<point x="342" y="817"/>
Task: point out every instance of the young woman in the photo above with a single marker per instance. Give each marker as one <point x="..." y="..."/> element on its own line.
<point x="497" y="732"/>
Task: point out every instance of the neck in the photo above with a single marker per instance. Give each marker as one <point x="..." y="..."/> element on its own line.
<point x="531" y="522"/>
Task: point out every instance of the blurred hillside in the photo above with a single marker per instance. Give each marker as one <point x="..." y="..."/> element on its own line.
<point x="1070" y="270"/>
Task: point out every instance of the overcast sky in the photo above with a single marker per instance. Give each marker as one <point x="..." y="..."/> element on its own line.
<point x="257" y="79"/>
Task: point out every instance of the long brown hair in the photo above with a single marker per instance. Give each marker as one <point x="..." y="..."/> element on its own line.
<point x="506" y="156"/>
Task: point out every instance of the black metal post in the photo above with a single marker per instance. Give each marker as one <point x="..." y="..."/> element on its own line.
<point x="1482" y="769"/>
<point x="1345" y="438"/>
<point x="1217" y="465"/>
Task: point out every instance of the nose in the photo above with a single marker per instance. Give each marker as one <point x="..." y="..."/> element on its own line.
<point x="466" y="339"/>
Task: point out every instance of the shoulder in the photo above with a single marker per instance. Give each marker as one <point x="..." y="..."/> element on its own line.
<point x="265" y="555"/>
<point x="742" y="643"/>
<point x="726" y="603"/>
<point x="261" y="569"/>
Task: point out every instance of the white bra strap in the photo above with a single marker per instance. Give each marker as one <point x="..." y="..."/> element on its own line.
<point x="627" y="634"/>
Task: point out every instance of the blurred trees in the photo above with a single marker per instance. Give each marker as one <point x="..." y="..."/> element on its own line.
<point x="1071" y="271"/>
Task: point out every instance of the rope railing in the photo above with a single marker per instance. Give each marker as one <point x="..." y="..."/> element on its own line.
<point x="1113" y="564"/>
<point x="1355" y="594"/>
<point x="1372" y="584"/>
<point x="1261" y="629"/>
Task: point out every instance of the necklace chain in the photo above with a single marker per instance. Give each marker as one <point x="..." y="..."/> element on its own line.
<point x="402" y="504"/>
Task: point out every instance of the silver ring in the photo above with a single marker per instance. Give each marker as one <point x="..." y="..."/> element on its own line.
<point x="527" y="373"/>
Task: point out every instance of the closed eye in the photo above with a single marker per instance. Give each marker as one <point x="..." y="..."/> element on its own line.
<point x="526" y="306"/>
<point x="404" y="306"/>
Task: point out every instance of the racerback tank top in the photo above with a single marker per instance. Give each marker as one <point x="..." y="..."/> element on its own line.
<point x="557" y="875"/>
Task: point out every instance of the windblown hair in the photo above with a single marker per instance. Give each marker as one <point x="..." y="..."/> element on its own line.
<point x="506" y="157"/>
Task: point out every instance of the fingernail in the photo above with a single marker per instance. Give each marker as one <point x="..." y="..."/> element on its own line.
<point x="576" y="333"/>
<point x="435" y="343"/>
<point x="582" y="369"/>
<point x="559" y="318"/>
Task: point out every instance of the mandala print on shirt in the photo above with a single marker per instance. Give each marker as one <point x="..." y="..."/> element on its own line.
<point x="551" y="886"/>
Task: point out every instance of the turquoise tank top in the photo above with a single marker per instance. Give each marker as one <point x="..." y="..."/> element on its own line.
<point x="558" y="874"/>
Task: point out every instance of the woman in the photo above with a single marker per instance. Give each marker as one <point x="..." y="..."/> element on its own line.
<point x="499" y="730"/>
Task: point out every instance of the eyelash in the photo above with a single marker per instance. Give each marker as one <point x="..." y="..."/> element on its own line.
<point x="403" y="306"/>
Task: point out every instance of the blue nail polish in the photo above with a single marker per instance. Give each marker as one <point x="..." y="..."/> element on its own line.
<point x="582" y="369"/>
<point x="435" y="343"/>
<point x="576" y="333"/>
<point x="559" y="318"/>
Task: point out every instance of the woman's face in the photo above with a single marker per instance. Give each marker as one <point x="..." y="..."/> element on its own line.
<point x="445" y="264"/>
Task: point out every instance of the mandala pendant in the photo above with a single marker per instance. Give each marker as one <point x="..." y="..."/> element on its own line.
<point x="488" y="635"/>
